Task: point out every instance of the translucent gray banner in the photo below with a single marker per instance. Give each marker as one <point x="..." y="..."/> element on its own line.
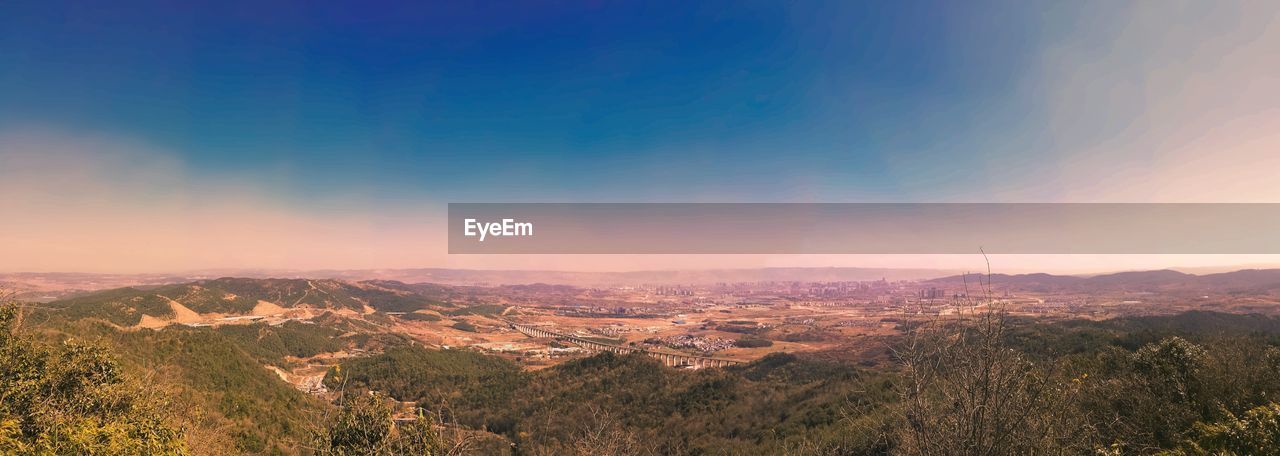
<point x="862" y="228"/>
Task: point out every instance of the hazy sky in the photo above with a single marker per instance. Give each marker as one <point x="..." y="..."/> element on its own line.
<point x="164" y="136"/>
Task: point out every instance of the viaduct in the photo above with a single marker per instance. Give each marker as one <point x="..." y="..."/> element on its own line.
<point x="670" y="359"/>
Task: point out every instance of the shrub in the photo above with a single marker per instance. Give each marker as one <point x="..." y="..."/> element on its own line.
<point x="364" y="426"/>
<point x="1258" y="432"/>
<point x="73" y="399"/>
<point x="415" y="316"/>
<point x="1173" y="362"/>
<point x="753" y="342"/>
<point x="482" y="309"/>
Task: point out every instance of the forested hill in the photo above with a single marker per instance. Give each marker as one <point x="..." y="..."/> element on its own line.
<point x="239" y="296"/>
<point x="1198" y="382"/>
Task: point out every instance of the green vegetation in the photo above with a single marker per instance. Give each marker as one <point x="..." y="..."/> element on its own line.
<point x="237" y="396"/>
<point x="221" y="393"/>
<point x="1257" y="433"/>
<point x="741" y="329"/>
<point x="464" y="326"/>
<point x="123" y="306"/>
<point x="751" y="409"/>
<point x="75" y="399"/>
<point x="1195" y="383"/>
<point x="419" y="374"/>
<point x="552" y="411"/>
<point x="482" y="309"/>
<point x="753" y="342"/>
<point x="1129" y="385"/>
<point x="364" y="426"/>
<point x="1185" y="384"/>
<point x="387" y="301"/>
<point x="271" y="344"/>
<point x="239" y="295"/>
<point x="808" y="335"/>
<point x="416" y="316"/>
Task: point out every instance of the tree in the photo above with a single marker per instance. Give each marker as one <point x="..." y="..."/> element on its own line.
<point x="422" y="436"/>
<point x="1172" y="365"/>
<point x="361" y="427"/>
<point x="74" y="399"/>
<point x="1257" y="433"/>
<point x="364" y="426"/>
<point x="1149" y="399"/>
<point x="966" y="392"/>
<point x="602" y="434"/>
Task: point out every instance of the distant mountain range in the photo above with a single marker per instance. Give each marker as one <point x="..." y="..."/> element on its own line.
<point x="200" y="300"/>
<point x="1247" y="280"/>
<point x="53" y="286"/>
<point x="632" y="278"/>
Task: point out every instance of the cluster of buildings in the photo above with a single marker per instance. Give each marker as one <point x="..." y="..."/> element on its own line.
<point x="700" y="343"/>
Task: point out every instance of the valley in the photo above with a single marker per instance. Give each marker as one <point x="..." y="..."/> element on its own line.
<point x="464" y="350"/>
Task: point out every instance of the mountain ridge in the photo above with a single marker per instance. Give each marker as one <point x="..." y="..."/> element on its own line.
<point x="1241" y="280"/>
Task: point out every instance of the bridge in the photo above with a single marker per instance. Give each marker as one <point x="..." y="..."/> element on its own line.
<point x="669" y="359"/>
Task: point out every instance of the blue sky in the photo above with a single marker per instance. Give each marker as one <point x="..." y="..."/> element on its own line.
<point x="307" y="111"/>
<point x="475" y="100"/>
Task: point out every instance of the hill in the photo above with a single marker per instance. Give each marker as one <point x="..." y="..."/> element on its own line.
<point x="227" y="380"/>
<point x="129" y="306"/>
<point x="1247" y="280"/>
<point x="51" y="286"/>
<point x="743" y="410"/>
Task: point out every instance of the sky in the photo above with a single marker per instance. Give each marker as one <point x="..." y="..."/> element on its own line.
<point x="155" y="136"/>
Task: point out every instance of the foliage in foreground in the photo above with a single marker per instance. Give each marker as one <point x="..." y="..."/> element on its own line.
<point x="74" y="399"/>
<point x="1255" y="433"/>
<point x="226" y="400"/>
<point x="986" y="385"/>
<point x="365" y="426"/>
<point x="1190" y="384"/>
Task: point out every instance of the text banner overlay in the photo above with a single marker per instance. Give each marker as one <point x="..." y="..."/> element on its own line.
<point x="863" y="228"/>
